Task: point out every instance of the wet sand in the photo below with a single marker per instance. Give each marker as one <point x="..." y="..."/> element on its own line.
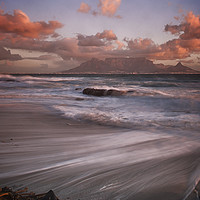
<point x="42" y="150"/>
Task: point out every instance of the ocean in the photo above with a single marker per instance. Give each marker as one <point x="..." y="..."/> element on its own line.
<point x="152" y="101"/>
<point x="159" y="116"/>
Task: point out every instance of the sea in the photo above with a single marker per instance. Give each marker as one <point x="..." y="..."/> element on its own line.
<point x="160" y="116"/>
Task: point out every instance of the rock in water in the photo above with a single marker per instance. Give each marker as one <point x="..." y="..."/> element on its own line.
<point x="102" y="92"/>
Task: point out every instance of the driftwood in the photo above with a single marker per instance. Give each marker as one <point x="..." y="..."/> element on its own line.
<point x="8" y="194"/>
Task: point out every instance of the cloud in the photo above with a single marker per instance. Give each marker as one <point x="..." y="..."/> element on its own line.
<point x="189" y="28"/>
<point x="89" y="41"/>
<point x="109" y="7"/>
<point x="174" y="29"/>
<point x="140" y="47"/>
<point x="171" y="50"/>
<point x="70" y="47"/>
<point x="188" y="42"/>
<point x="120" y="44"/>
<point x="84" y="8"/>
<point x="191" y="61"/>
<point x="106" y="44"/>
<point x="141" y="44"/>
<point x="20" y="24"/>
<point x="100" y="39"/>
<point x="106" y="8"/>
<point x="66" y="47"/>
<point x="43" y="57"/>
<point x="107" y="34"/>
<point x="6" y="55"/>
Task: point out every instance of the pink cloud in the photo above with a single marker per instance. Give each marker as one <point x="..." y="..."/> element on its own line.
<point x="109" y="7"/>
<point x="119" y="44"/>
<point x="107" y="34"/>
<point x="106" y="8"/>
<point x="141" y="44"/>
<point x="100" y="39"/>
<point x="20" y="24"/>
<point x="171" y="50"/>
<point x="189" y="28"/>
<point x="189" y="38"/>
<point x="84" y="8"/>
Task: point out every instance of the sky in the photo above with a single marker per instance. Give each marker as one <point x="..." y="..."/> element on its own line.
<point x="51" y="36"/>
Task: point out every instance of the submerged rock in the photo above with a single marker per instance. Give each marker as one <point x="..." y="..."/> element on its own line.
<point x="77" y="88"/>
<point x="79" y="99"/>
<point x="103" y="92"/>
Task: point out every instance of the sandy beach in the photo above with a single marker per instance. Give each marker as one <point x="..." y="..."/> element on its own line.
<point x="41" y="150"/>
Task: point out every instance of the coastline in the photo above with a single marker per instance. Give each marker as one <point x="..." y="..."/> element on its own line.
<point x="43" y="151"/>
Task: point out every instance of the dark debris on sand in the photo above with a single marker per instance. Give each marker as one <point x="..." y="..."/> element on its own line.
<point x="8" y="194"/>
<point x="195" y="194"/>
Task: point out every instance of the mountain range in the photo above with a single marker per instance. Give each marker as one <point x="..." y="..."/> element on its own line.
<point x="128" y="66"/>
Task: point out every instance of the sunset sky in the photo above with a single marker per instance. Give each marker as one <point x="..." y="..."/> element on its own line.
<point x="51" y="36"/>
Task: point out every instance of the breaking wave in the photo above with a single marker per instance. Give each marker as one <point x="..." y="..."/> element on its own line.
<point x="126" y="119"/>
<point x="8" y="78"/>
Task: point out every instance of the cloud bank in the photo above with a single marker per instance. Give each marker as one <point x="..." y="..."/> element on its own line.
<point x="18" y="32"/>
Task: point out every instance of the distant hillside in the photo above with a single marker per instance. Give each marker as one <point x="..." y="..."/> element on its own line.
<point x="127" y="66"/>
<point x="179" y="68"/>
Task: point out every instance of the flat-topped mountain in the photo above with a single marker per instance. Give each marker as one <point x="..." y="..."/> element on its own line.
<point x="93" y="66"/>
<point x="127" y="66"/>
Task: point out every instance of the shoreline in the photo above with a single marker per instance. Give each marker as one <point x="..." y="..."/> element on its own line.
<point x="42" y="150"/>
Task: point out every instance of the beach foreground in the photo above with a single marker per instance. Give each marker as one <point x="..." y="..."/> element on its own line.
<point x="42" y="151"/>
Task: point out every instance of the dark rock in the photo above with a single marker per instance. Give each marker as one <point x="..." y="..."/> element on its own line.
<point x="94" y="92"/>
<point x="79" y="99"/>
<point x="192" y="196"/>
<point x="195" y="194"/>
<point x="115" y="92"/>
<point x="9" y="80"/>
<point x="50" y="196"/>
<point x="102" y="92"/>
<point x="8" y="194"/>
<point x="198" y="186"/>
